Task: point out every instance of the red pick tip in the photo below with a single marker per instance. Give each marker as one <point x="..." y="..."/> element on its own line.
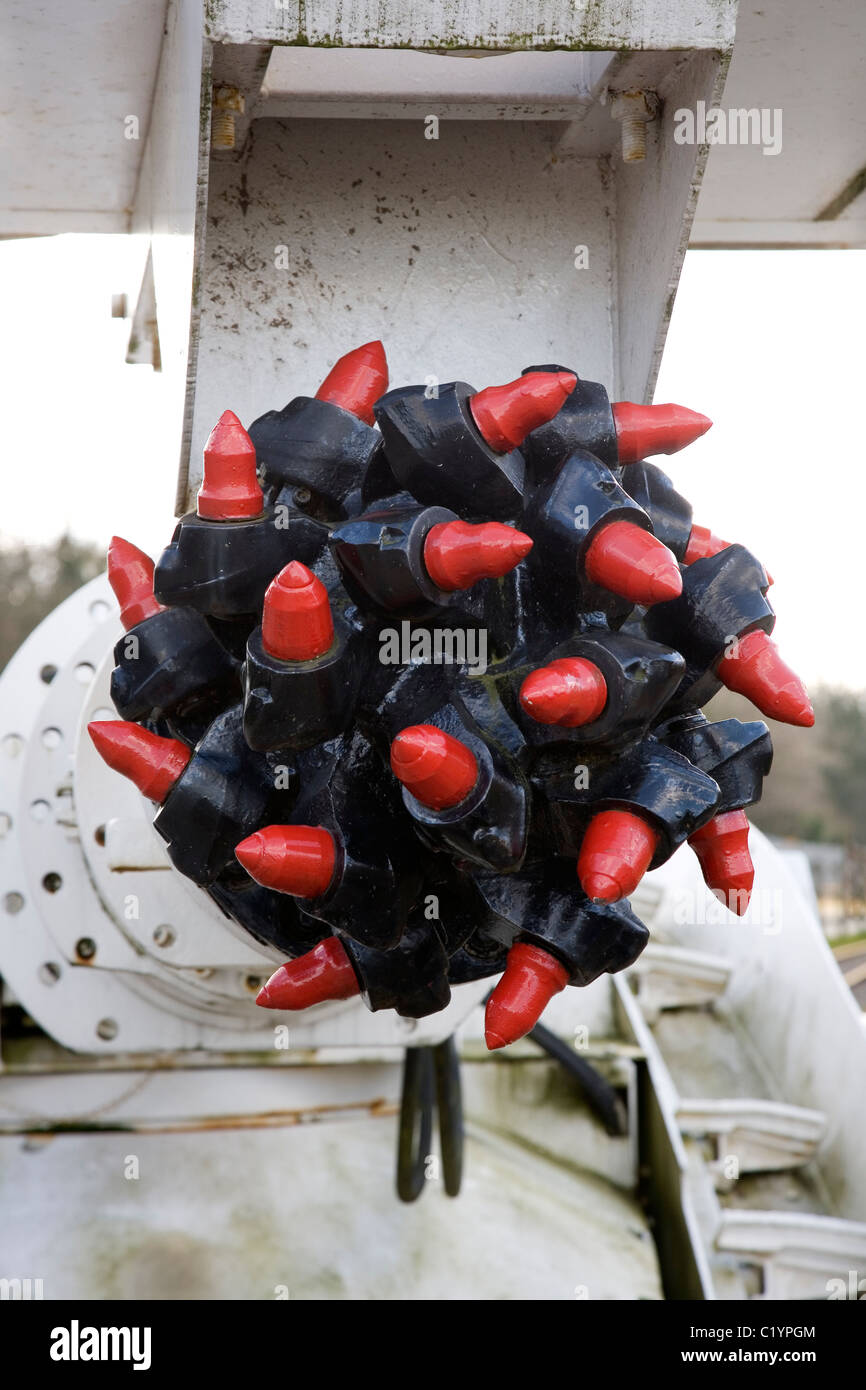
<point x="633" y="563"/>
<point x="151" y="762"/>
<point x="295" y="859"/>
<point x="296" y="622"/>
<point x="323" y="973"/>
<point x="437" y="769"/>
<point x="642" y="430"/>
<point x="505" y="415"/>
<point x="616" y="852"/>
<point x="702" y="544"/>
<point x="457" y="554"/>
<point x="568" y="692"/>
<point x="130" y="574"/>
<point x="755" y="669"/>
<point x="722" y="847"/>
<point x="357" y="381"/>
<point x="230" y="489"/>
<point x="530" y="980"/>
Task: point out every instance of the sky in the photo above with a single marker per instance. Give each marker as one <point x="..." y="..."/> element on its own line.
<point x="769" y="344"/>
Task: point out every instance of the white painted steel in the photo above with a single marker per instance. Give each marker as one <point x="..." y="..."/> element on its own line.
<point x="478" y="24"/>
<point x="459" y="252"/>
<point x="807" y="60"/>
<point x="787" y="998"/>
<point x="765" y="1135"/>
<point x="398" y="83"/>
<point x="801" y="1255"/>
<point x="70" y="76"/>
<point x="310" y="1213"/>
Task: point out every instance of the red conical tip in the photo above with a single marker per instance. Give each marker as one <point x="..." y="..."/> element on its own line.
<point x="230" y="489"/>
<point x="642" y="430"/>
<point x="357" y="381"/>
<point x="755" y="669"/>
<point x="616" y="852"/>
<point x="151" y="762"/>
<point x="722" y="847"/>
<point x="568" y="692"/>
<point x="530" y="980"/>
<point x="295" y="859"/>
<point x="702" y="544"/>
<point x="296" y="621"/>
<point x="437" y="769"/>
<point x="323" y="973"/>
<point x="633" y="563"/>
<point x="130" y="574"/>
<point x="505" y="415"/>
<point x="458" y="553"/>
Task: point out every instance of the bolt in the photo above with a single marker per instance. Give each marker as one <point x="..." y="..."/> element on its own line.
<point x="85" y="948"/>
<point x="227" y="103"/>
<point x="634" y="110"/>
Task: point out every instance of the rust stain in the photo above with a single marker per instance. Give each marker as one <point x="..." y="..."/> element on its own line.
<point x="268" y="1119"/>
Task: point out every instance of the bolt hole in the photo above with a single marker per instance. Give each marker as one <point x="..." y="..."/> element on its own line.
<point x="85" y="948"/>
<point x="99" y="835"/>
<point x="52" y="883"/>
<point x="99" y="610"/>
<point x="51" y="738"/>
<point x="40" y="810"/>
<point x="253" y="983"/>
<point x="5" y="824"/>
<point x="12" y="745"/>
<point x="84" y="672"/>
<point x="48" y="673"/>
<point x="13" y="902"/>
<point x="164" y="935"/>
<point x="106" y="1029"/>
<point x="49" y="973"/>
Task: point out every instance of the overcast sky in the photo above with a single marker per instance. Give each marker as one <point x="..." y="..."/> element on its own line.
<point x="768" y="344"/>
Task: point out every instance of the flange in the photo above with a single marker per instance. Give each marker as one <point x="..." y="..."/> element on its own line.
<point x="102" y="941"/>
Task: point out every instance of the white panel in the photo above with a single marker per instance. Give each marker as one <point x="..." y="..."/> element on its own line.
<point x="788" y="997"/>
<point x="503" y="24"/>
<point x="806" y="59"/>
<point x="172" y="190"/>
<point x="655" y="205"/>
<point x="312" y="1209"/>
<point x="842" y="233"/>
<point x="70" y="75"/>
<point x="457" y="252"/>
<point x="528" y="86"/>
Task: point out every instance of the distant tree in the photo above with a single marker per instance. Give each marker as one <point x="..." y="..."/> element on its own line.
<point x="845" y="769"/>
<point x="817" y="785"/>
<point x="35" y="578"/>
